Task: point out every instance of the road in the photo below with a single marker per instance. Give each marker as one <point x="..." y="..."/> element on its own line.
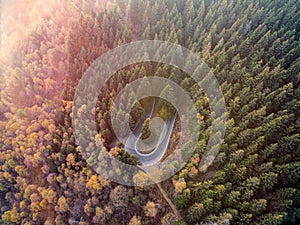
<point x="160" y="149"/>
<point x="133" y="138"/>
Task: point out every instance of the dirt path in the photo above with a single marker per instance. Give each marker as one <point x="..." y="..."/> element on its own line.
<point x="173" y="207"/>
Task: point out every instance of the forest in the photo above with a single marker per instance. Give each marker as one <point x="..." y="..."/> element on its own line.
<point x="251" y="47"/>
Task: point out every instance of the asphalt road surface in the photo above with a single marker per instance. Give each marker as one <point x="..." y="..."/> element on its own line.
<point x="161" y="147"/>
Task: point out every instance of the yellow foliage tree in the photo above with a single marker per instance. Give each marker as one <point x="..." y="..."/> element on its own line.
<point x="141" y="178"/>
<point x="135" y="221"/>
<point x="93" y="183"/>
<point x="179" y="186"/>
<point x="193" y="172"/>
<point x="62" y="205"/>
<point x="96" y="183"/>
<point x="150" y="209"/>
